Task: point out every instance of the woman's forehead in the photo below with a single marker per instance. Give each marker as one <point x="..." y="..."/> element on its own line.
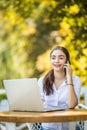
<point x="58" y="53"/>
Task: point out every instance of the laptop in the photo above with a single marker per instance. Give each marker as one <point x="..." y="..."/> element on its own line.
<point x="23" y="95"/>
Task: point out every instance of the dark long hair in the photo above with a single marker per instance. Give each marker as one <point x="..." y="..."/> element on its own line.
<point x="49" y="77"/>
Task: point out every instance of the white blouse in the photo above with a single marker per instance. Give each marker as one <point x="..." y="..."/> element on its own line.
<point x="58" y="99"/>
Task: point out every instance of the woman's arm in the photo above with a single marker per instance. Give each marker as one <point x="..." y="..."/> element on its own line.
<point x="72" y="84"/>
<point x="72" y="97"/>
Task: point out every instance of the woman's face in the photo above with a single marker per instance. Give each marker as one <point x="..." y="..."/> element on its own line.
<point x="58" y="59"/>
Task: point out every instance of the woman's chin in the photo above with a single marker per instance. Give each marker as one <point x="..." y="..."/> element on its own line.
<point x="57" y="69"/>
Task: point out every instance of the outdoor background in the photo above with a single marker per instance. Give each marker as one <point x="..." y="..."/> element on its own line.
<point x="30" y="28"/>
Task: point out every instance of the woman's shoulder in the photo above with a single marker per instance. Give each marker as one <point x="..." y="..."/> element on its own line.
<point x="76" y="78"/>
<point x="41" y="79"/>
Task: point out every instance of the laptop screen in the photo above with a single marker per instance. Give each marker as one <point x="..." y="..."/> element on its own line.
<point x="23" y="94"/>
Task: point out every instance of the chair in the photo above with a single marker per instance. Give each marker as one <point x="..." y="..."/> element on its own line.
<point x="83" y="124"/>
<point x="37" y="126"/>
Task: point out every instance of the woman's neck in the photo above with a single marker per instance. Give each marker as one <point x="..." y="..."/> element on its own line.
<point x="59" y="75"/>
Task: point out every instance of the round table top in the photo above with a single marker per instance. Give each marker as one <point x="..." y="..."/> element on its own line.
<point x="52" y="116"/>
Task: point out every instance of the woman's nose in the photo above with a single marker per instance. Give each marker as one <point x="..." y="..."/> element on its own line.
<point x="56" y="60"/>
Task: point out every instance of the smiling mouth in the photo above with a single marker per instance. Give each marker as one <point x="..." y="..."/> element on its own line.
<point x="57" y="66"/>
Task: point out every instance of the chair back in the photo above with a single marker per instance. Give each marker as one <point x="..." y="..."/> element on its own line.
<point x="84" y="93"/>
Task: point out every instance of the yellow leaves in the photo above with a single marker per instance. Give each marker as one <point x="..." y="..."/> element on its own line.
<point x="85" y="52"/>
<point x="74" y="9"/>
<point x="65" y="30"/>
<point x="28" y="31"/>
<point x="80" y="21"/>
<point x="46" y="20"/>
<point x="64" y="24"/>
<point x="65" y="27"/>
<point x="28" y="28"/>
<point x="47" y="3"/>
<point x="79" y="65"/>
<point x="83" y="63"/>
<point x="71" y="21"/>
<point x="13" y="18"/>
<point x="69" y="38"/>
<point x="43" y="62"/>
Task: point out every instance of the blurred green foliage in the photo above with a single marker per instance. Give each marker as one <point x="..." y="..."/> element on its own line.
<point x="29" y="29"/>
<point x="3" y="96"/>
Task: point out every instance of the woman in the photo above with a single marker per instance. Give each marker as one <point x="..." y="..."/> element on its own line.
<point x="59" y="88"/>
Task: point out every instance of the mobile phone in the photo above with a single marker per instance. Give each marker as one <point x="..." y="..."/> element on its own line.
<point x="65" y="68"/>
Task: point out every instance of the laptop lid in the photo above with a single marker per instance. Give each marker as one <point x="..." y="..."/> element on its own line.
<point x="23" y="94"/>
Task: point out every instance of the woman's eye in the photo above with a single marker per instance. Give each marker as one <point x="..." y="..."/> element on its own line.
<point x="61" y="58"/>
<point x="52" y="57"/>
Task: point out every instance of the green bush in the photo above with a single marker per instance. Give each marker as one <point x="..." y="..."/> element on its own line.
<point x="3" y="96"/>
<point x="1" y="84"/>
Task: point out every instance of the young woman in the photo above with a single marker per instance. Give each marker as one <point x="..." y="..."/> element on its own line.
<point x="59" y="88"/>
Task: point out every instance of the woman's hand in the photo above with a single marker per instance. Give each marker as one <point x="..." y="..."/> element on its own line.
<point x="68" y="72"/>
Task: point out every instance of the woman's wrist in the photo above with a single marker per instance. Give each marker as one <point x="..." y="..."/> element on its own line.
<point x="70" y="84"/>
<point x="69" y="81"/>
